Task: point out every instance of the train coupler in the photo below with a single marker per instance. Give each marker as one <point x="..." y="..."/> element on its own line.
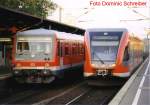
<point x="102" y="72"/>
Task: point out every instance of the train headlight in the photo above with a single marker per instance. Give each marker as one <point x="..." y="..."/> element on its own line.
<point x="32" y="64"/>
<point x="113" y="65"/>
<point x="46" y="72"/>
<point x="46" y="65"/>
<point x="18" y="65"/>
<point x="93" y="65"/>
<point x="16" y="72"/>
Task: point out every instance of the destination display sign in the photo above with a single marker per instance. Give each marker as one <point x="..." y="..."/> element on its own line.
<point x="105" y="37"/>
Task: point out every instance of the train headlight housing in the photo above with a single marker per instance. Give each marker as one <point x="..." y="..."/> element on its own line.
<point x="16" y="72"/>
<point x="113" y="65"/>
<point x="93" y="65"/>
<point x="18" y="65"/>
<point x="32" y="64"/>
<point x="46" y="66"/>
<point x="46" y="72"/>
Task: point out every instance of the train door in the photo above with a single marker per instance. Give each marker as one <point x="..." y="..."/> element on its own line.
<point x="61" y="53"/>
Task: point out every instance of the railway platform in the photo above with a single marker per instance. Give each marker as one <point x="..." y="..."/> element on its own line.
<point x="136" y="91"/>
<point x="5" y="75"/>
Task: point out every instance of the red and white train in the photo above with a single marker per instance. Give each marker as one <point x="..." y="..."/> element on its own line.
<point x="41" y="55"/>
<point x="111" y="53"/>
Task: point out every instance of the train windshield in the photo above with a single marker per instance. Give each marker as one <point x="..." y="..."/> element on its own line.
<point x="104" y="46"/>
<point x="34" y="48"/>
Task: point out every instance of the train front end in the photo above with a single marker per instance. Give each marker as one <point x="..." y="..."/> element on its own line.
<point x="34" y="56"/>
<point x="104" y="52"/>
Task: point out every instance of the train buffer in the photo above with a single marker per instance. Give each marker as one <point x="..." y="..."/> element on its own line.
<point x="136" y="91"/>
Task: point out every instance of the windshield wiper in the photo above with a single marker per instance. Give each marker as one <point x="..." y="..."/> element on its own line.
<point x="94" y="53"/>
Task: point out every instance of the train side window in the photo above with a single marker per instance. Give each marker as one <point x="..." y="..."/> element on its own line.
<point x="66" y="49"/>
<point x="69" y="48"/>
<point x="58" y="48"/>
<point x="73" y="49"/>
<point x="76" y="49"/>
<point x="61" y="49"/>
<point x="126" y="54"/>
<point x="82" y="49"/>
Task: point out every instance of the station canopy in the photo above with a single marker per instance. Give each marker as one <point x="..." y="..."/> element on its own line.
<point x="12" y="21"/>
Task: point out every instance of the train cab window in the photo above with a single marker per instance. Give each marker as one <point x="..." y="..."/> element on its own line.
<point x="28" y="48"/>
<point x="22" y="46"/>
<point x="126" y="54"/>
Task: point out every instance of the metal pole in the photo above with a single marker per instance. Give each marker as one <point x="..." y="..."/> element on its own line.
<point x="4" y="55"/>
<point x="60" y="14"/>
<point x="148" y="46"/>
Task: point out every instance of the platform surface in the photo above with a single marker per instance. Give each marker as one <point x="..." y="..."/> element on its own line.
<point x="137" y="89"/>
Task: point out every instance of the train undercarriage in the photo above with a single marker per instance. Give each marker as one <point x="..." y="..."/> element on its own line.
<point x="34" y="76"/>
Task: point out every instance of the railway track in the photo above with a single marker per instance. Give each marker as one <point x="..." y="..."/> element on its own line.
<point x="30" y="93"/>
<point x="67" y="93"/>
<point x="82" y="95"/>
<point x="97" y="96"/>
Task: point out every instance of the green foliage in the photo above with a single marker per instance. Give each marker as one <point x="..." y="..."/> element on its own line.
<point x="39" y="8"/>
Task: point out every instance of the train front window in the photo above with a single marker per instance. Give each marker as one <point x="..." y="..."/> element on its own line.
<point x="104" y="46"/>
<point x="105" y="51"/>
<point x="34" y="48"/>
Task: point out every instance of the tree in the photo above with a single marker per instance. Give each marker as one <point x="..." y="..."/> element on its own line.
<point x="39" y="8"/>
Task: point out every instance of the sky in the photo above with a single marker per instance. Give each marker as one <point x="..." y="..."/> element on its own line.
<point x="81" y="14"/>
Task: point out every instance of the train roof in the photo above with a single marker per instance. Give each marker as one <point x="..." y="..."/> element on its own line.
<point x="135" y="38"/>
<point x="37" y="32"/>
<point x="107" y="29"/>
<point x="12" y="21"/>
<point x="69" y="36"/>
<point x="46" y="32"/>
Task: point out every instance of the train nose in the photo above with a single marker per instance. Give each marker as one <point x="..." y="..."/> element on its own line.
<point x="103" y="66"/>
<point x="103" y="69"/>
